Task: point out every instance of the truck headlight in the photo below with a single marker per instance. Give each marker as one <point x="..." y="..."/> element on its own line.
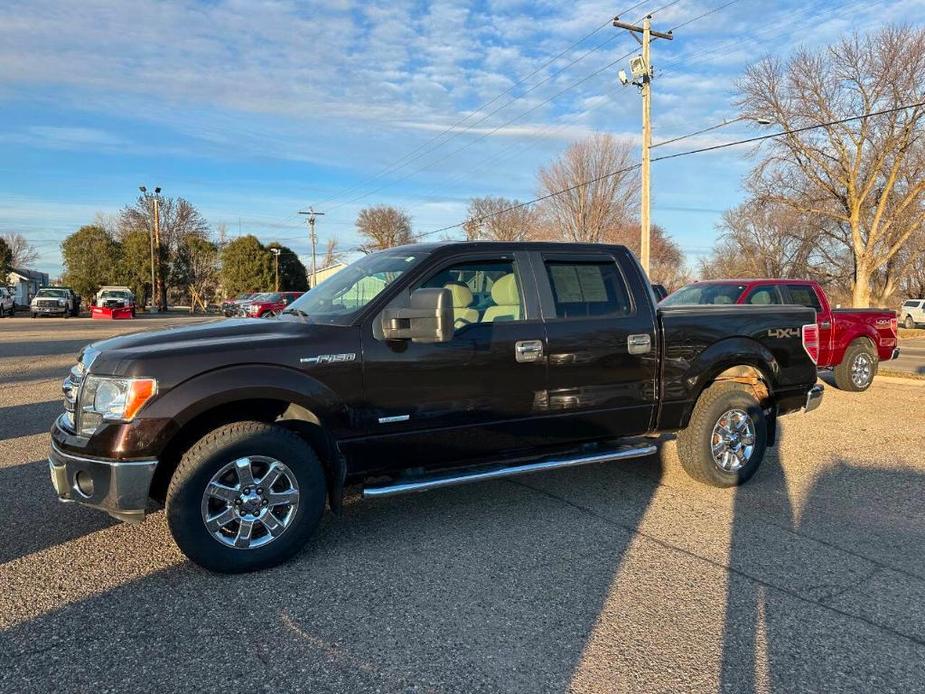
<point x="113" y="399"/>
<point x="62" y="302"/>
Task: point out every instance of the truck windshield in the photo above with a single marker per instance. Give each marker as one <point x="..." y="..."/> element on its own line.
<point x="700" y="294"/>
<point x="338" y="298"/>
<point x="57" y="293"/>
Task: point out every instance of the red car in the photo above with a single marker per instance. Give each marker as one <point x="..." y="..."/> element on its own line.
<point x="852" y="342"/>
<point x="269" y="304"/>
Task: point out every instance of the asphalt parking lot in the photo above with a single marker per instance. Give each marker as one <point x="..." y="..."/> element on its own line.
<point x="617" y="577"/>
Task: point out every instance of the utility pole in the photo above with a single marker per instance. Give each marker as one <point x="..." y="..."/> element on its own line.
<point x="642" y="71"/>
<point x="157" y="247"/>
<point x="155" y="243"/>
<point x="314" y="239"/>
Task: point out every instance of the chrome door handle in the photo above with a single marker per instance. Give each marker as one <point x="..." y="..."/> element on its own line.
<point x="526" y="351"/>
<point x="639" y="344"/>
<point x="825" y="325"/>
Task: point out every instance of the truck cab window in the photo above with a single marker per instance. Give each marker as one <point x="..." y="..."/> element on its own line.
<point x="583" y="289"/>
<point x="484" y="291"/>
<point x="804" y="295"/>
<point x="764" y="295"/>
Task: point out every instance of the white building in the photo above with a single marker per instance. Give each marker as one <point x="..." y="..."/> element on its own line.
<point x="25" y="283"/>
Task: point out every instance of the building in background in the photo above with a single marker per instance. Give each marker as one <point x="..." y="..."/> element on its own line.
<point x="25" y="283"/>
<point x="324" y="272"/>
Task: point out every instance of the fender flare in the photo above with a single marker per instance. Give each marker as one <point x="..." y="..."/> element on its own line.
<point x="722" y="355"/>
<point x="212" y="389"/>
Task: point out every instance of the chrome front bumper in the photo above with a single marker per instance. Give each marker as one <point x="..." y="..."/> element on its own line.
<point x="813" y="398"/>
<point x="118" y="487"/>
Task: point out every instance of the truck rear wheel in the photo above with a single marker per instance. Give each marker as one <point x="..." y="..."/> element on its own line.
<point x="725" y="440"/>
<point x="858" y="367"/>
<point x="246" y="496"/>
<point x="909" y="323"/>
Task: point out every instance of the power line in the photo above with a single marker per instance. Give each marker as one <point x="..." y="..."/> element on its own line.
<point x="400" y="163"/>
<point x="705" y="14"/>
<point x="734" y="143"/>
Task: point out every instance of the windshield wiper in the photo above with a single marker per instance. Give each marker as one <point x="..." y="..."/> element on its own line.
<point x="297" y="311"/>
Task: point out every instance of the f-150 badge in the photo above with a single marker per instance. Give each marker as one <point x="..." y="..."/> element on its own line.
<point x="329" y="358"/>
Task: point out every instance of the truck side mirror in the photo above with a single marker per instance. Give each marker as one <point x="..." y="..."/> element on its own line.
<point x="429" y="318"/>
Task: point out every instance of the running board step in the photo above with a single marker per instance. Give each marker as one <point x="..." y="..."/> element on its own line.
<point x="423" y="484"/>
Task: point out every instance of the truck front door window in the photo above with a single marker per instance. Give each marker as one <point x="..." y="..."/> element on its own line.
<point x="484" y="291"/>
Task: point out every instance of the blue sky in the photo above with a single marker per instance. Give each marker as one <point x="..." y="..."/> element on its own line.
<point x="254" y="109"/>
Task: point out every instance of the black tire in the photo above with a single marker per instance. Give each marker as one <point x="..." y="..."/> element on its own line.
<point x="206" y="458"/>
<point x="695" y="443"/>
<point x="909" y="323"/>
<point x="2" y="311"/>
<point x="34" y="314"/>
<point x="851" y="375"/>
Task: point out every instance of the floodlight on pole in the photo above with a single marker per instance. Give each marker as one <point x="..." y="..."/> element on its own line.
<point x="760" y="120"/>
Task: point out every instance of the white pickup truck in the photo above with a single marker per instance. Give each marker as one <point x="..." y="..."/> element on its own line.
<point x="912" y="313"/>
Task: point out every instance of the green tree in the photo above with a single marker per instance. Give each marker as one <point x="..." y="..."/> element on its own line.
<point x="247" y="266"/>
<point x="91" y="258"/>
<point x="134" y="269"/>
<point x="293" y="277"/>
<point x="6" y="260"/>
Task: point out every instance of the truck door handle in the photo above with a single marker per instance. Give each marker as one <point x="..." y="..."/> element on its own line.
<point x="526" y="351"/>
<point x="639" y="344"/>
<point x="825" y="325"/>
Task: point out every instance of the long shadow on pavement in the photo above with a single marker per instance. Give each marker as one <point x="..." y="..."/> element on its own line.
<point x="804" y="611"/>
<point x="490" y="587"/>
<point x="33" y="519"/>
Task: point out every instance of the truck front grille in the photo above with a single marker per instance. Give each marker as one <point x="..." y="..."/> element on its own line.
<point x="47" y="303"/>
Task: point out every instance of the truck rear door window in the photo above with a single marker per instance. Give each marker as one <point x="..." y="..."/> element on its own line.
<point x="763" y="295"/>
<point x="588" y="289"/>
<point x="804" y="295"/>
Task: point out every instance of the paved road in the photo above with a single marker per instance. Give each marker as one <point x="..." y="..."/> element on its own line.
<point x="621" y="577"/>
<point x="911" y="357"/>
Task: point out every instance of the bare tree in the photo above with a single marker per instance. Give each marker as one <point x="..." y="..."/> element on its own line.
<point x="332" y="255"/>
<point x="22" y="253"/>
<point x="383" y="226"/>
<point x="179" y="221"/>
<point x="863" y="181"/>
<point x="667" y="264"/>
<point x="595" y="203"/>
<point x="766" y="239"/>
<point x="500" y="219"/>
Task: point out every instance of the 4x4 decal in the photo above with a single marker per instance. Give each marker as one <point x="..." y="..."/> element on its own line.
<point x="783" y="332"/>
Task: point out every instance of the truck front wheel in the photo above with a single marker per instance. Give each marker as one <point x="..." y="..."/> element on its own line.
<point x="858" y="367"/>
<point x="725" y="440"/>
<point x="246" y="496"/>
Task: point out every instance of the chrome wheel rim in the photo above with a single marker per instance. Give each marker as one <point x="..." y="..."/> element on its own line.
<point x="733" y="440"/>
<point x="250" y="502"/>
<point x="861" y="370"/>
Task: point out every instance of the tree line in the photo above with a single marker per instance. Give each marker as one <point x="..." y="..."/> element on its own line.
<point x="838" y="200"/>
<point x="191" y="265"/>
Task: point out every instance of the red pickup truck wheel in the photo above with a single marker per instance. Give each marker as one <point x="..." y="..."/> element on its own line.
<point x="858" y="367"/>
<point x="725" y="440"/>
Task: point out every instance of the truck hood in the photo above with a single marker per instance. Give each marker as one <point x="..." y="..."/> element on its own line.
<point x="173" y="354"/>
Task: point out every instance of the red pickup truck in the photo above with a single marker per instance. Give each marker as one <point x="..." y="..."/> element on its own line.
<point x="852" y="342"/>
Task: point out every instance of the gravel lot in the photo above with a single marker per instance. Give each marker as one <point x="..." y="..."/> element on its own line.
<point x="619" y="577"/>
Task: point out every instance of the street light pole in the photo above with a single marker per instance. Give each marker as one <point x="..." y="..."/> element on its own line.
<point x="155" y="240"/>
<point x="275" y="252"/>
